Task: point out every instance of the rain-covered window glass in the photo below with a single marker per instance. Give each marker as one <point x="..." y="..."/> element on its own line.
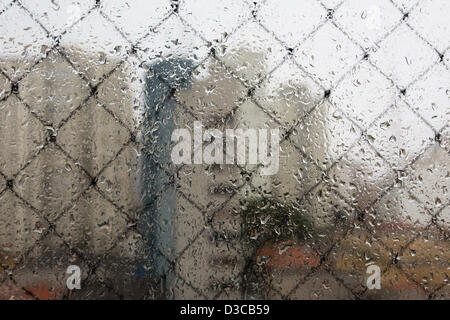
<point x="235" y="149"/>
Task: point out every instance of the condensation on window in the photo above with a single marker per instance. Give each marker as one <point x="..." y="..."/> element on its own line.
<point x="92" y="92"/>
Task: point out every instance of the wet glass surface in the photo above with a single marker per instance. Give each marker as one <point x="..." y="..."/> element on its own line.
<point x="91" y="93"/>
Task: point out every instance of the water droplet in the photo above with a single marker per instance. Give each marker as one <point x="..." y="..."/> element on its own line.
<point x="55" y="5"/>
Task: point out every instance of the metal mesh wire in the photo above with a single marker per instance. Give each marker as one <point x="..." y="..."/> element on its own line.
<point x="89" y="179"/>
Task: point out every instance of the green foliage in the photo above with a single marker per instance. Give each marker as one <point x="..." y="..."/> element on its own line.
<point x="265" y="219"/>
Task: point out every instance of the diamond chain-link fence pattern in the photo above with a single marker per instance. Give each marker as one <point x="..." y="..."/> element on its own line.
<point x="359" y="89"/>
